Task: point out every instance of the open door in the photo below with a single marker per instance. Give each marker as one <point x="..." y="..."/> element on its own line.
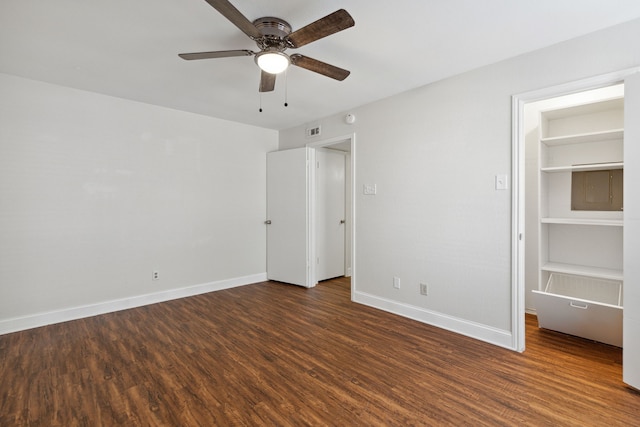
<point x="330" y="214"/>
<point x="288" y="217"/>
<point x="631" y="313"/>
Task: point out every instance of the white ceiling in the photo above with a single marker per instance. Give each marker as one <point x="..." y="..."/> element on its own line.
<point x="128" y="48"/>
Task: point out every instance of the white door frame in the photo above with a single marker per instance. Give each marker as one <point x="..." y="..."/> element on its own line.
<point x="351" y="138"/>
<point x="518" y="192"/>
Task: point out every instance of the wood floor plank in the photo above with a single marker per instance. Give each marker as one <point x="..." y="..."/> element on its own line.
<point x="274" y="354"/>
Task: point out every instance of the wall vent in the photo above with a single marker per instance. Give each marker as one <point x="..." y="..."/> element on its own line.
<point x="312" y="132"/>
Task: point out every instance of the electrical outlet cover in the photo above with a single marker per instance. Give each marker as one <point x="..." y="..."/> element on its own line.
<point x="424" y="289"/>
<point x="396" y="282"/>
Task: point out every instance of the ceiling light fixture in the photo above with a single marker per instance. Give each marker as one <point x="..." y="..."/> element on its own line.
<point x="272" y="62"/>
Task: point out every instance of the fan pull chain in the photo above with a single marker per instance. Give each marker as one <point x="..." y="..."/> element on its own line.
<point x="260" y="93"/>
<point x="286" y="86"/>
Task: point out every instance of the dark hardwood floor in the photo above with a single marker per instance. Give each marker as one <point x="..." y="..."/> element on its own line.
<point x="274" y="354"/>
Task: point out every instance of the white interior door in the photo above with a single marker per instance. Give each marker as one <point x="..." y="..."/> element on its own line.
<point x="631" y="313"/>
<point x="330" y="214"/>
<point x="288" y="217"/>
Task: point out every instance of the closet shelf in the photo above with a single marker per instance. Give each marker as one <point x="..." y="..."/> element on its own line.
<point x="579" y="138"/>
<point x="583" y="221"/>
<point x="588" y="167"/>
<point x="581" y="270"/>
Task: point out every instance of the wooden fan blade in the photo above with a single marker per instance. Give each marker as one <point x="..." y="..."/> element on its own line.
<point x="215" y="54"/>
<point x="319" y="67"/>
<point x="229" y="11"/>
<point x="323" y="27"/>
<point x="267" y="82"/>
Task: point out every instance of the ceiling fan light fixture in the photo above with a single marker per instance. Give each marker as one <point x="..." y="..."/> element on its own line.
<point x="272" y="62"/>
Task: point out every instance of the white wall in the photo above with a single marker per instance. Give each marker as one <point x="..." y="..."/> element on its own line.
<point x="97" y="192"/>
<point x="433" y="153"/>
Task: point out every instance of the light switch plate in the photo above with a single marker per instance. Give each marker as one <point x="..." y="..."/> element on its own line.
<point x="501" y="182"/>
<point x="369" y="189"/>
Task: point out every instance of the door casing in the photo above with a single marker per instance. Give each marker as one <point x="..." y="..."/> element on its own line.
<point x="350" y="231"/>
<point x="518" y="190"/>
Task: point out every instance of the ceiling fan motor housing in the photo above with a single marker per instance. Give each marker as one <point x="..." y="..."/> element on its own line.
<point x="273" y="30"/>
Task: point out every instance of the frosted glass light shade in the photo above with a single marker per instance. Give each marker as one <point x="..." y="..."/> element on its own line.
<point x="272" y="62"/>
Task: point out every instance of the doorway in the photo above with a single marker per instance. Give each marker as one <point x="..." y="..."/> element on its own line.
<point x="328" y="195"/>
<point x="292" y="220"/>
<point x="525" y="251"/>
<point x="574" y="250"/>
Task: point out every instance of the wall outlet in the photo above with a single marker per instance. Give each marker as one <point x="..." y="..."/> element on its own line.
<point x="155" y="275"/>
<point x="396" y="282"/>
<point x="424" y="289"/>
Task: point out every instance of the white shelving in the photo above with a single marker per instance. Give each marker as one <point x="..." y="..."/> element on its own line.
<point x="583" y="221"/>
<point x="582" y="270"/>
<point x="583" y="167"/>
<point x="578" y="246"/>
<point x="581" y="138"/>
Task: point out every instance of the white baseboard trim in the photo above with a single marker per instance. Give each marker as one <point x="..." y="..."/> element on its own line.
<point x="478" y="331"/>
<point x="42" y="319"/>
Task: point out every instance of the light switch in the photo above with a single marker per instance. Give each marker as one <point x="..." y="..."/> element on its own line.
<point x="501" y="182"/>
<point x="369" y="189"/>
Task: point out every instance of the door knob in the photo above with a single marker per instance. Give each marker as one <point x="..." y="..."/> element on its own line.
<point x="342" y="221"/>
<point x="268" y="222"/>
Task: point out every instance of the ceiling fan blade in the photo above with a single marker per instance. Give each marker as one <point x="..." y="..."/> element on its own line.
<point x="267" y="82"/>
<point x="323" y="27"/>
<point x="319" y="67"/>
<point x="215" y="54"/>
<point x="229" y="11"/>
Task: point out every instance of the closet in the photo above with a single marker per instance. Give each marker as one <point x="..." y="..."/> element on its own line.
<point x="580" y="217"/>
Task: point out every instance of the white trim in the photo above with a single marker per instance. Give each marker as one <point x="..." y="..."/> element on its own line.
<point x="474" y="330"/>
<point x="576" y="86"/>
<point x="36" y="320"/>
<point x="352" y="272"/>
<point x="517" y="220"/>
<point x="331" y="141"/>
<point x="311" y="218"/>
<point x="517" y="227"/>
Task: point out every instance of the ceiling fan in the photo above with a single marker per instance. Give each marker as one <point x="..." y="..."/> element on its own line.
<point x="273" y="36"/>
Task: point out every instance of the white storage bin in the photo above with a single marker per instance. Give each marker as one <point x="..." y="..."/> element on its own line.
<point x="585" y="288"/>
<point x="583" y="306"/>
